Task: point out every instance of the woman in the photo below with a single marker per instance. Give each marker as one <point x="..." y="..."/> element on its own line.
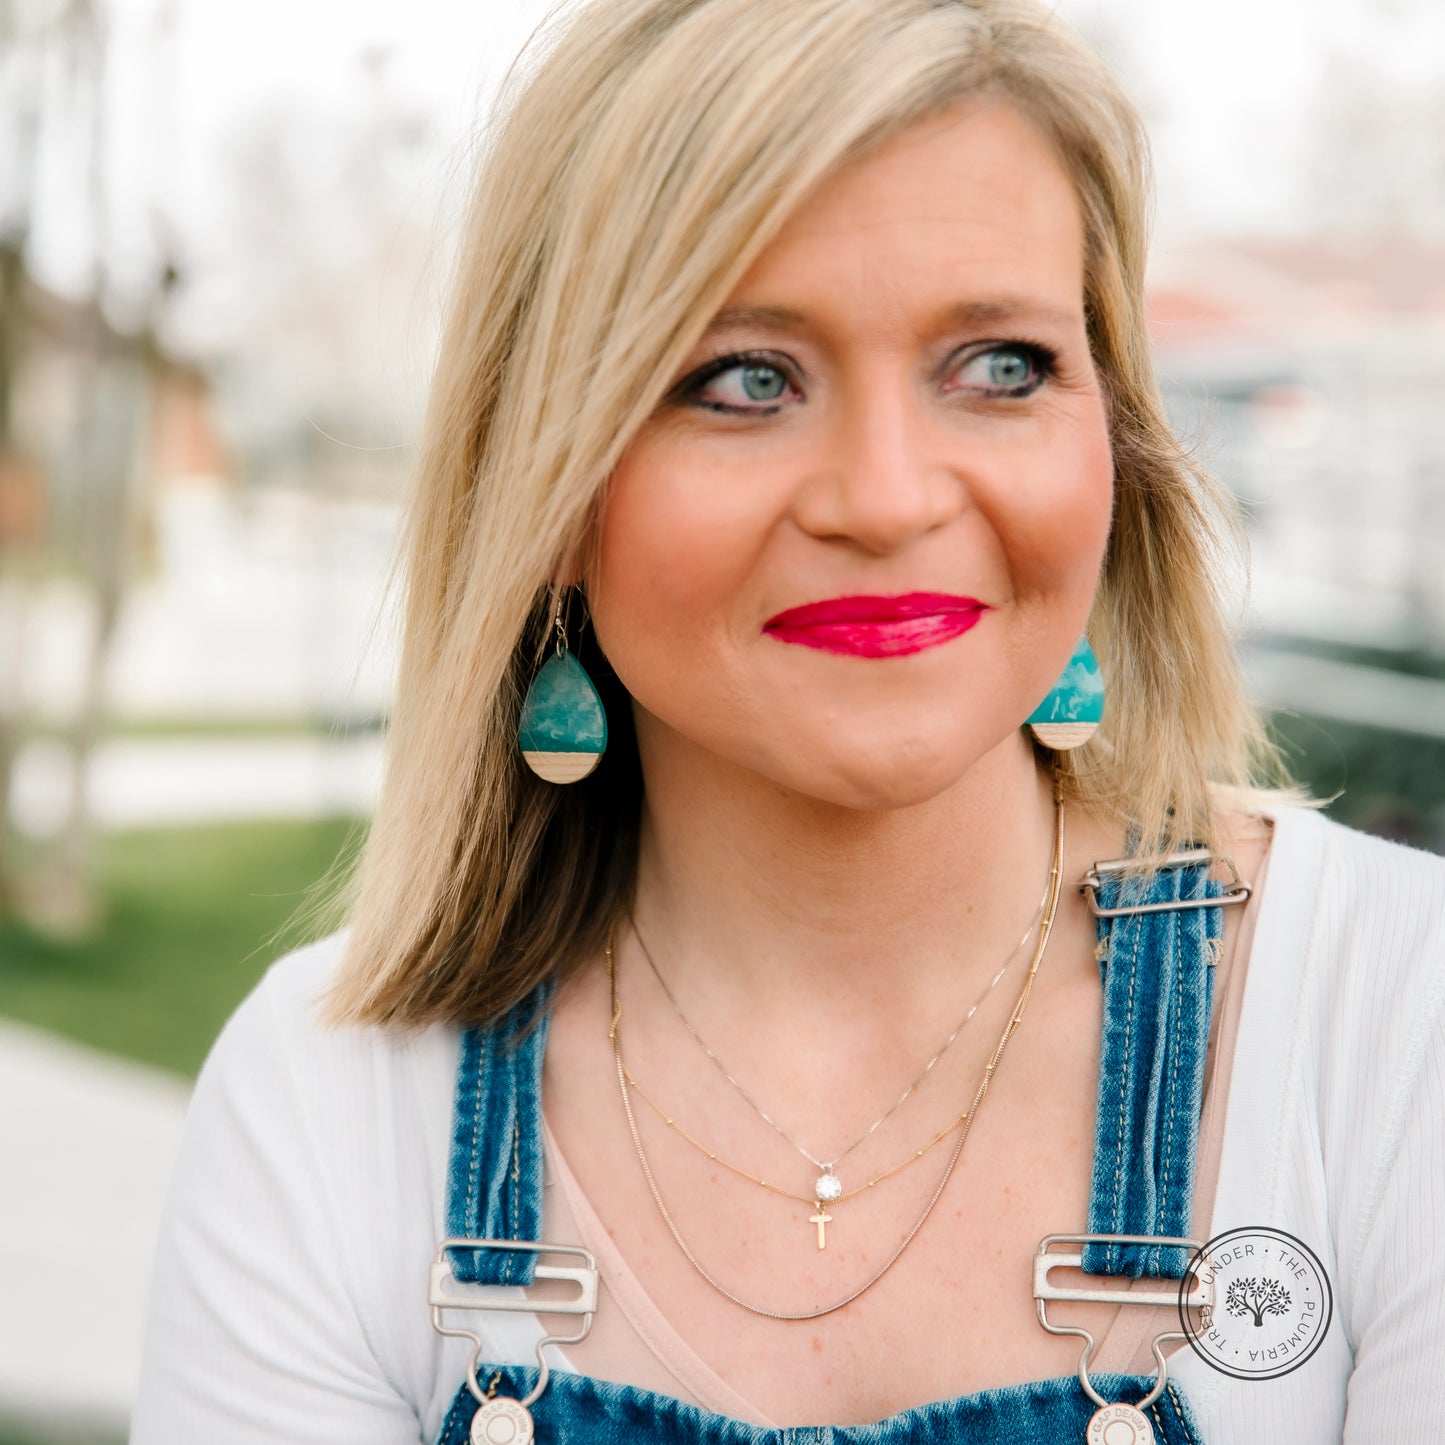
<point x="797" y="390"/>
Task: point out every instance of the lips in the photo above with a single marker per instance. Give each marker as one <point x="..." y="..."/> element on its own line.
<point x="878" y="626"/>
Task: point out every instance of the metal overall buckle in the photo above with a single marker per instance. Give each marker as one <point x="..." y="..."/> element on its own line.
<point x="1236" y="889"/>
<point x="1114" y="1422"/>
<point x="500" y="1420"/>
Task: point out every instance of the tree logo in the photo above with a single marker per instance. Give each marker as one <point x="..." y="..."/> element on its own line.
<point x="1272" y="1303"/>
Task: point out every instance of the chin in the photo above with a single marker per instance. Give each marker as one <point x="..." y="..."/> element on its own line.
<point x="880" y="779"/>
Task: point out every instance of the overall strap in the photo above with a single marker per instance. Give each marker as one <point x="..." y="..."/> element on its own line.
<point x="1158" y="980"/>
<point x="494" y="1180"/>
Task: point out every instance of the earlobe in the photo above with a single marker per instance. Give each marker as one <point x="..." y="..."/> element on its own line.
<point x="568" y="573"/>
<point x="582" y="560"/>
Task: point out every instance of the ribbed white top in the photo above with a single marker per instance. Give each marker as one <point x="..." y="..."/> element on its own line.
<point x="289" y="1304"/>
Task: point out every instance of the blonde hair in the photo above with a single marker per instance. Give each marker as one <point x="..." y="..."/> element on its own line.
<point x="646" y="151"/>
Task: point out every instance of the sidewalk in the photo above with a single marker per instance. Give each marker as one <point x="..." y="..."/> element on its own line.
<point x="139" y="782"/>
<point x="87" y="1140"/>
<point x="88" y="1146"/>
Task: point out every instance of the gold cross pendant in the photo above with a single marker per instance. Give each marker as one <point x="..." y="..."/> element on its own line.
<point x="822" y="1219"/>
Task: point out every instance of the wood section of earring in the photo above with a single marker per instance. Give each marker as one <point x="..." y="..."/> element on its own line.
<point x="1062" y="736"/>
<point x="561" y="767"/>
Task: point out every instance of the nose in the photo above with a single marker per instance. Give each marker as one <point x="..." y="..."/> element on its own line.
<point x="874" y="479"/>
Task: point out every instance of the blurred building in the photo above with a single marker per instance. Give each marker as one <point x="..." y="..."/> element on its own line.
<point x="1310" y="374"/>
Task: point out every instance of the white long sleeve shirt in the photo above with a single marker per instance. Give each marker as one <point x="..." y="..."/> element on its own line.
<point x="288" y="1303"/>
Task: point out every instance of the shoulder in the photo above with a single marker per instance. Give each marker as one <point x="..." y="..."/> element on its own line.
<point x="281" y="1014"/>
<point x="356" y="1096"/>
<point x="1342" y="1021"/>
<point x="281" y="1023"/>
<point x="305" y="1205"/>
<point x="311" y="1140"/>
<point x="1345" y="989"/>
<point x="1345" y="923"/>
<point x="1359" y="896"/>
<point x="1364" y="857"/>
<point x="1350" y="959"/>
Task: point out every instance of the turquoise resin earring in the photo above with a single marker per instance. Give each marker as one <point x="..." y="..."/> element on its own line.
<point x="1071" y="713"/>
<point x="563" y="729"/>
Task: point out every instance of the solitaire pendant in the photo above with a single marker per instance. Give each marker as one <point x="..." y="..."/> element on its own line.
<point x="827" y="1188"/>
<point x="563" y="729"/>
<point x="1073" y="710"/>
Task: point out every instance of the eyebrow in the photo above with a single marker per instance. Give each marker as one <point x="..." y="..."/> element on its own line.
<point x="783" y="317"/>
<point x="962" y="313"/>
<point x="1011" y="308"/>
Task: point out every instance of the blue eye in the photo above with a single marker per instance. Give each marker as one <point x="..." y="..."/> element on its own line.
<point x="761" y="383"/>
<point x="1014" y="369"/>
<point x="741" y="383"/>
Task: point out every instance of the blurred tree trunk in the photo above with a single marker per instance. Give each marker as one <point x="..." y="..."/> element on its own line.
<point x="94" y="533"/>
<point x="20" y="522"/>
<point x="90" y="471"/>
<point x="113" y="406"/>
<point x="12" y="540"/>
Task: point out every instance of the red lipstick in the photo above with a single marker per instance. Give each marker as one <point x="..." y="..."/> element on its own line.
<point x="878" y="626"/>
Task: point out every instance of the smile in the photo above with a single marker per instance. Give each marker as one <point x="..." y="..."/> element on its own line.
<point x="878" y="626"/>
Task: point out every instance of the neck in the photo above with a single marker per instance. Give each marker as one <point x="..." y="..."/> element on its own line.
<point x="758" y="902"/>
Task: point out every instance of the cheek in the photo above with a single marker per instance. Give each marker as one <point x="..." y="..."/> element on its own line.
<point x="1055" y="525"/>
<point x="677" y="540"/>
<point x="1089" y="508"/>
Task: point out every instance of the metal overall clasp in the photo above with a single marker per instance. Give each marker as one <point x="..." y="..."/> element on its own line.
<point x="1236" y="889"/>
<point x="1116" y="1422"/>
<point x="500" y="1420"/>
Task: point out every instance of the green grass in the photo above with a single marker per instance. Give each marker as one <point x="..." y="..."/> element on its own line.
<point x="59" y="1432"/>
<point x="12" y="1435"/>
<point x="189" y="921"/>
<point x="27" y="1435"/>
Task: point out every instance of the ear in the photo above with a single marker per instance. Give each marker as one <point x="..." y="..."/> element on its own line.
<point x="580" y="561"/>
<point x="568" y="573"/>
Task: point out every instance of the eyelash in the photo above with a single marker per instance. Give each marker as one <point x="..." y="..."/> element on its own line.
<point x="687" y="390"/>
<point x="1044" y="360"/>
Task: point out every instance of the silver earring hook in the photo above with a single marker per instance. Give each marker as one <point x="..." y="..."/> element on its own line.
<point x="560" y="625"/>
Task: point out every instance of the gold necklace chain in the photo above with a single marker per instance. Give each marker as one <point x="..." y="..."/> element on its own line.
<point x="614" y="1035"/>
<point x="913" y="1158"/>
<point x="829" y="1188"/>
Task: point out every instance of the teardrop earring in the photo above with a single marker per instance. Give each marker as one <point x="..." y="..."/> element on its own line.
<point x="563" y="729"/>
<point x="1071" y="713"/>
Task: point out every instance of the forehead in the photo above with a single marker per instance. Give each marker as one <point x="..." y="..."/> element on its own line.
<point x="969" y="207"/>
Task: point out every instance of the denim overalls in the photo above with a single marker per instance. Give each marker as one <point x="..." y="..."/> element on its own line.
<point x="1158" y="990"/>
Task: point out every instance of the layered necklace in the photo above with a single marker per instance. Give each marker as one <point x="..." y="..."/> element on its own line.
<point x="626" y="1084"/>
<point x="828" y="1187"/>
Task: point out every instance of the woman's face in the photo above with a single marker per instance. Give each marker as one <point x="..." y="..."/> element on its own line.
<point x="895" y="416"/>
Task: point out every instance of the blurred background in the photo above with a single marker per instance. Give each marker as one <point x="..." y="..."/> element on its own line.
<point x="224" y="233"/>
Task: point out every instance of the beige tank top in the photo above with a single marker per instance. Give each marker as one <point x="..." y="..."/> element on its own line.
<point x="632" y="1342"/>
